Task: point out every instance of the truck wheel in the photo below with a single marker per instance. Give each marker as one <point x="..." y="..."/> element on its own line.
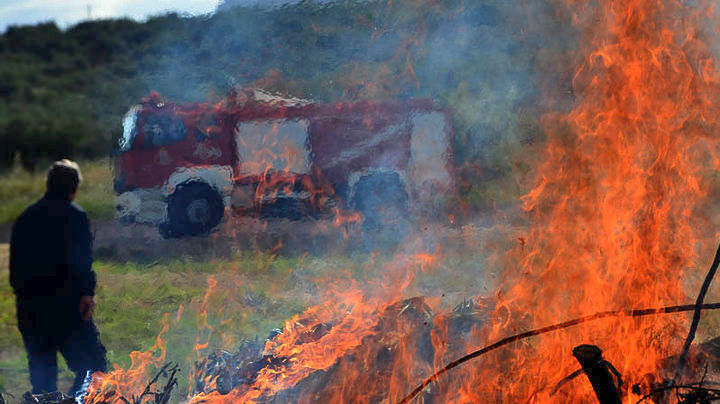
<point x="383" y="201"/>
<point x="194" y="209"/>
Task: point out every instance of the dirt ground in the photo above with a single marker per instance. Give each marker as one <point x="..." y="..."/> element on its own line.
<point x="123" y="242"/>
<point x="140" y="242"/>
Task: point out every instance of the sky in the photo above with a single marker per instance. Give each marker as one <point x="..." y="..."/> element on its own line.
<point x="69" y="12"/>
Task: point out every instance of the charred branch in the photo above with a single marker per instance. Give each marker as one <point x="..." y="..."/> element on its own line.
<point x="691" y="393"/>
<point x="603" y="376"/>
<point x="47" y="398"/>
<point x="565" y="380"/>
<point x="162" y="396"/>
<point x="148" y="396"/>
<point x="551" y="328"/>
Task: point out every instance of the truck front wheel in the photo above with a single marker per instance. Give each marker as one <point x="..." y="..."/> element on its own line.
<point x="194" y="209"/>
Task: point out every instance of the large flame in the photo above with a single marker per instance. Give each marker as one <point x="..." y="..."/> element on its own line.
<point x="615" y="207"/>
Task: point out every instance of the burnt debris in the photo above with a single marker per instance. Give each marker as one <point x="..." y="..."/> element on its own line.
<point x="603" y="376"/>
<point x="223" y="372"/>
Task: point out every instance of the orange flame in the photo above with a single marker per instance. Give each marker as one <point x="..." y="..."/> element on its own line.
<point x="615" y="210"/>
<point x="108" y="388"/>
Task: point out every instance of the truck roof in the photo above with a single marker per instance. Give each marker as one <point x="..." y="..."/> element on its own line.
<point x="253" y="104"/>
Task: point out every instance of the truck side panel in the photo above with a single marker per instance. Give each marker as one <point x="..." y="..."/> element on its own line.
<point x="360" y="139"/>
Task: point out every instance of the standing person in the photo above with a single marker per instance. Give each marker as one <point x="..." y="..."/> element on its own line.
<point x="54" y="284"/>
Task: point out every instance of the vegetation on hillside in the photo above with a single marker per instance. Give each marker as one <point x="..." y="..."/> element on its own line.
<point x="64" y="92"/>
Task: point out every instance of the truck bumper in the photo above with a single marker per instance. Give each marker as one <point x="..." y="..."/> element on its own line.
<point x="142" y="206"/>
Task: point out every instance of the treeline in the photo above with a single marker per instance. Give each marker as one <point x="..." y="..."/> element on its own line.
<point x="61" y="92"/>
<point x="64" y="92"/>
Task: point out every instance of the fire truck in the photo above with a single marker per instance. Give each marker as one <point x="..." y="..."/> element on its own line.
<point x="184" y="167"/>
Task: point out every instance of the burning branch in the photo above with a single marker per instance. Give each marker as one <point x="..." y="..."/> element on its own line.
<point x="696" y="315"/>
<point x="160" y="397"/>
<point x="555" y="327"/>
<point x="168" y="370"/>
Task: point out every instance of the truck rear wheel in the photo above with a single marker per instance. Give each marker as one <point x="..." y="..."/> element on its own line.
<point x="383" y="201"/>
<point x="194" y="209"/>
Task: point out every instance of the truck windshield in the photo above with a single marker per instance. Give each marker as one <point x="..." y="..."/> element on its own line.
<point x="162" y="130"/>
<point x="129" y="130"/>
<point x="159" y="130"/>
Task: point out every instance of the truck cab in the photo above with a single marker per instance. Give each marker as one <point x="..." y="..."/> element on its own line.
<point x="170" y="151"/>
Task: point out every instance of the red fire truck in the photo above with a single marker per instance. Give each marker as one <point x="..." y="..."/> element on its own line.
<point x="182" y="167"/>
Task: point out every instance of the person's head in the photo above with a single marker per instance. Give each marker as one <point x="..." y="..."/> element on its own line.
<point x="63" y="178"/>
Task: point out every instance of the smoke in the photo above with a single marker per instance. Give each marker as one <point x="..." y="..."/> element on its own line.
<point x="478" y="59"/>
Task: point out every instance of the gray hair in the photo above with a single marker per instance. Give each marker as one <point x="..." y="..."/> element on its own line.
<point x="64" y="177"/>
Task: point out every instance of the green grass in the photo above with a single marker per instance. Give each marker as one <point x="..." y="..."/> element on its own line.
<point x="133" y="300"/>
<point x="19" y="188"/>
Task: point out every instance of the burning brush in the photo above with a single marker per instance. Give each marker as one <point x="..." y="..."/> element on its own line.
<point x="406" y="324"/>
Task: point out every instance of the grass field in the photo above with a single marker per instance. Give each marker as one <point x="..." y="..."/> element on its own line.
<point x="133" y="300"/>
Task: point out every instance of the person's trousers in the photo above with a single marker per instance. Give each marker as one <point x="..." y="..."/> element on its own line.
<point x="81" y="348"/>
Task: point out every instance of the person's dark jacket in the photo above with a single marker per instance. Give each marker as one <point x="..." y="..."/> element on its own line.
<point x="51" y="264"/>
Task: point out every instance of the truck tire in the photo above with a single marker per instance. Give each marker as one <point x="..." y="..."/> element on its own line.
<point x="383" y="201"/>
<point x="194" y="209"/>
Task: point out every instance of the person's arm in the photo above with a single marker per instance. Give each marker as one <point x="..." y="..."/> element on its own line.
<point x="81" y="264"/>
<point x="12" y="265"/>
